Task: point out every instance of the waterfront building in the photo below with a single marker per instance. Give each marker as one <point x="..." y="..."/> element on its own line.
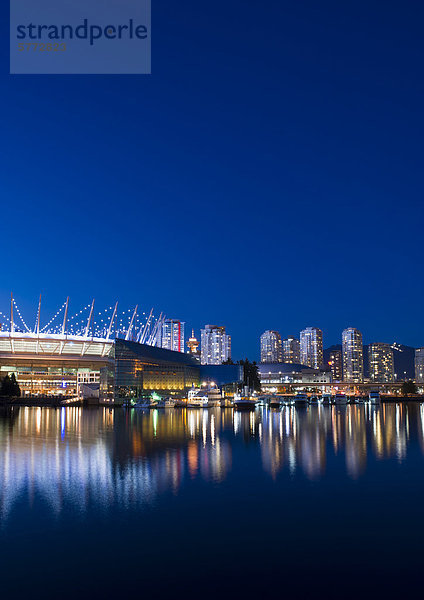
<point x="277" y="377"/>
<point x="271" y="350"/>
<point x="55" y="360"/>
<point x="193" y="345"/>
<point x="215" y="345"/>
<point x="142" y="369"/>
<point x="84" y="356"/>
<point x="291" y="350"/>
<point x="419" y="365"/>
<point x="380" y="357"/>
<point x="336" y="365"/>
<point x="311" y="350"/>
<point x="353" y="362"/>
<point x="172" y="337"/>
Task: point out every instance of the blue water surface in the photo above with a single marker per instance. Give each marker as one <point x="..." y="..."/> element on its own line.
<point x="295" y="503"/>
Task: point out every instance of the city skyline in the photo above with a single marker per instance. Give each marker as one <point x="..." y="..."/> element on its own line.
<point x="335" y="150"/>
<point x="170" y="333"/>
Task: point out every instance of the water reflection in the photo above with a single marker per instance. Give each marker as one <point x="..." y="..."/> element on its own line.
<point x="102" y="458"/>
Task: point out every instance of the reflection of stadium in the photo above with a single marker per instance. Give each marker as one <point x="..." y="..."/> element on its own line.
<point x="105" y="458"/>
<point x="102" y="458"/>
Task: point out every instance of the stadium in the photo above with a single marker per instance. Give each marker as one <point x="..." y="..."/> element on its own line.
<point x="70" y="351"/>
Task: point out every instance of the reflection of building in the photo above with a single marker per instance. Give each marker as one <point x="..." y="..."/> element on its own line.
<point x="419" y="365"/>
<point x="353" y="363"/>
<point x="271" y="351"/>
<point x="336" y="365"/>
<point x="380" y="358"/>
<point x="311" y="352"/>
<point x="215" y="345"/>
<point x="172" y="337"/>
<point x="291" y="350"/>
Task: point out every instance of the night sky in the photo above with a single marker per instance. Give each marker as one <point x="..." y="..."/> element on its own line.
<point x="267" y="175"/>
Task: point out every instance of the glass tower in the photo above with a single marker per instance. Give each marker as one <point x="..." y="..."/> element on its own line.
<point x="291" y="350"/>
<point x="380" y="358"/>
<point x="311" y="352"/>
<point x="173" y="335"/>
<point x="271" y="351"/>
<point x="419" y="365"/>
<point x="353" y="361"/>
<point x="215" y="345"/>
<point x="336" y="365"/>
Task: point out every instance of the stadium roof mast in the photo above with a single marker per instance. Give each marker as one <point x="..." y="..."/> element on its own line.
<point x="37" y="324"/>
<point x="12" y="326"/>
<point x="109" y="331"/>
<point x="143" y="332"/>
<point x="63" y="324"/>
<point x="127" y="337"/>
<point x="65" y="317"/>
<point x="152" y="341"/>
<point x="87" y="329"/>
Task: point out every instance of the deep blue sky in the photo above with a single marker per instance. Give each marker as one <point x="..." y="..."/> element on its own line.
<point x="268" y="174"/>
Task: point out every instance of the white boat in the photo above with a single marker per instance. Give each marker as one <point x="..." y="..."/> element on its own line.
<point x="197" y="398"/>
<point x="198" y="402"/>
<point x="169" y="403"/>
<point x="374" y="397"/>
<point x="244" y="403"/>
<point x="340" y="398"/>
<point x="301" y="398"/>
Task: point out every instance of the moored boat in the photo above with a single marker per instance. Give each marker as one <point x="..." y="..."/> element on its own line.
<point x="340" y="398"/>
<point x="326" y="398"/>
<point x="314" y="399"/>
<point x="142" y="403"/>
<point x="244" y="403"/>
<point x="301" y="398"/>
<point x="275" y="402"/>
<point x="374" y="397"/>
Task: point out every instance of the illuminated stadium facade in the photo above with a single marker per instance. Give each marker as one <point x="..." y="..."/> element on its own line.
<point x="56" y="359"/>
<point x="109" y="355"/>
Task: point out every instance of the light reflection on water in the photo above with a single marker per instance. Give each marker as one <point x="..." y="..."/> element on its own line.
<point x="104" y="458"/>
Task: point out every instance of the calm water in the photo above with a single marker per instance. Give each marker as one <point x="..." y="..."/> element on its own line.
<point x="299" y="503"/>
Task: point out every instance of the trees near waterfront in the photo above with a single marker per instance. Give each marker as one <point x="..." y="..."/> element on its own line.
<point x="9" y="387"/>
<point x="409" y="387"/>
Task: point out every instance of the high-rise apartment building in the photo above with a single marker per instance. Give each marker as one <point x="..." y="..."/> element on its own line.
<point x="271" y="351"/>
<point x="311" y="352"/>
<point x="419" y="365"/>
<point x="336" y="365"/>
<point x="291" y="350"/>
<point x="172" y="335"/>
<point x="353" y="361"/>
<point x="380" y="358"/>
<point x="215" y="345"/>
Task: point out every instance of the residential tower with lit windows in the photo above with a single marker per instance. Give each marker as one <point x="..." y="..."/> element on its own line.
<point x="271" y="350"/>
